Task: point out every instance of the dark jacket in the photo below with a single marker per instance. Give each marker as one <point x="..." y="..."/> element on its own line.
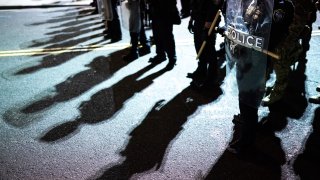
<point x="204" y="10"/>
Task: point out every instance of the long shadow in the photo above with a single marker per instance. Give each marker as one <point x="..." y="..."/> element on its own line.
<point x="70" y="14"/>
<point x="150" y="140"/>
<point x="103" y="105"/>
<point x="264" y="161"/>
<point x="72" y="29"/>
<point x="307" y="164"/>
<point x="55" y="60"/>
<point x="63" y="39"/>
<point x="100" y="69"/>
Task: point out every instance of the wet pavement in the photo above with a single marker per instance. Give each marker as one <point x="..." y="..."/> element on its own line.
<point x="71" y="108"/>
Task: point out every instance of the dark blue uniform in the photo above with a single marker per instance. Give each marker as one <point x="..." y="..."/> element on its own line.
<point x="164" y="15"/>
<point x="203" y="11"/>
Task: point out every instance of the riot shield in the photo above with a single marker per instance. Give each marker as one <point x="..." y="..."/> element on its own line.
<point x="131" y="15"/>
<point x="107" y="10"/>
<point x="248" y="24"/>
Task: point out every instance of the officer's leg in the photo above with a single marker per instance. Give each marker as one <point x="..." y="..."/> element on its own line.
<point x="145" y="46"/>
<point x="306" y="41"/>
<point x="115" y="28"/>
<point x="157" y="30"/>
<point x="246" y="131"/>
<point x="168" y="41"/>
<point x="201" y="70"/>
<point x="282" y="70"/>
<point x="133" y="54"/>
<point x="211" y="59"/>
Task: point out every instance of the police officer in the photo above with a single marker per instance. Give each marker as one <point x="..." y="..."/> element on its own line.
<point x="202" y="14"/>
<point x="164" y="15"/>
<point x="250" y="95"/>
<point x="288" y="47"/>
<point x="306" y="34"/>
<point x="316" y="98"/>
<point x="137" y="31"/>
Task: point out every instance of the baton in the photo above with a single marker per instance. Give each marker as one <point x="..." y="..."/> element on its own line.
<point x="209" y="32"/>
<point x="272" y="54"/>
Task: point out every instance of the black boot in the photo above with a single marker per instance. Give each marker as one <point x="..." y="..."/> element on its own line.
<point x="145" y="44"/>
<point x="145" y="49"/>
<point x="199" y="75"/>
<point x="157" y="59"/>
<point x="212" y="79"/>
<point x="115" y="30"/>
<point x="244" y="139"/>
<point x="172" y="63"/>
<point x="200" y="72"/>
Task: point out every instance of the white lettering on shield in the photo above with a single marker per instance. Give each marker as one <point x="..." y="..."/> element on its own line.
<point x="245" y="39"/>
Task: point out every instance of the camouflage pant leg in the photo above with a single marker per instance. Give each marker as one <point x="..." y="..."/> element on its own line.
<point x="289" y="55"/>
<point x="282" y="70"/>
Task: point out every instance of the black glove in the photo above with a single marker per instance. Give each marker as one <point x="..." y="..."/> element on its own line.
<point x="318" y="5"/>
<point x="190" y="26"/>
<point x="220" y="30"/>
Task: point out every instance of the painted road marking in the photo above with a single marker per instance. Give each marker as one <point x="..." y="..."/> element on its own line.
<point x="315" y="33"/>
<point x="46" y="51"/>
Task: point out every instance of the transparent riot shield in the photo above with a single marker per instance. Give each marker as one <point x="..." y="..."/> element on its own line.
<point x="248" y="24"/>
<point x="125" y="14"/>
<point x="107" y="10"/>
<point x="131" y="15"/>
<point x="100" y="6"/>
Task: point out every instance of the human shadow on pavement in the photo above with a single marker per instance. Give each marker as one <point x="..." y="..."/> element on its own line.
<point x="100" y="69"/>
<point x="263" y="161"/>
<point x="54" y="60"/>
<point x="151" y="139"/>
<point x="55" y="48"/>
<point x="69" y="14"/>
<point x="103" y="105"/>
<point x="307" y="164"/>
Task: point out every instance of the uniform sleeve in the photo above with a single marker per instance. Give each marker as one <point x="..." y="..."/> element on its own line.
<point x="212" y="7"/>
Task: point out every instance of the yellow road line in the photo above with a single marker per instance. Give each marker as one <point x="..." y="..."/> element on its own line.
<point x="59" y="50"/>
<point x="30" y="52"/>
<point x="315" y="33"/>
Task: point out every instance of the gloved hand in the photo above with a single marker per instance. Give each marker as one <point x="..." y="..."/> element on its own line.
<point x="306" y="31"/>
<point x="318" y="5"/>
<point x="190" y="26"/>
<point x="220" y="30"/>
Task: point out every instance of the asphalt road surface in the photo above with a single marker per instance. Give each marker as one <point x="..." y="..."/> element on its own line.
<point x="71" y="108"/>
